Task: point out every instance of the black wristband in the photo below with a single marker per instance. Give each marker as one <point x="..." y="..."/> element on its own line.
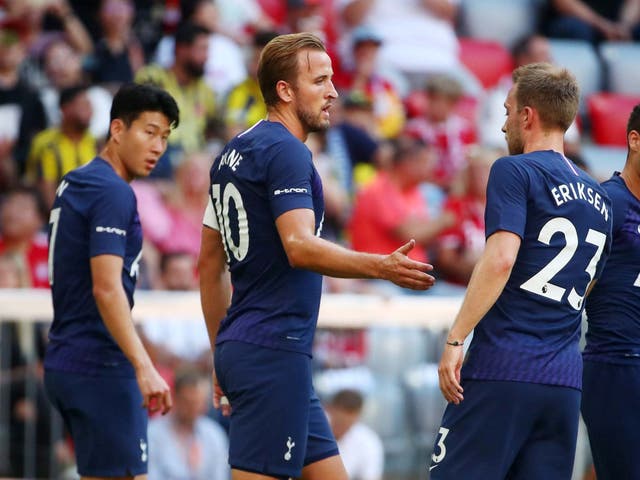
<point x="455" y="343"/>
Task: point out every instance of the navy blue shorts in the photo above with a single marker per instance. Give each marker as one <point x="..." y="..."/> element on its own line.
<point x="277" y="424"/>
<point x="106" y="420"/>
<point x="611" y="411"/>
<point x="508" y="430"/>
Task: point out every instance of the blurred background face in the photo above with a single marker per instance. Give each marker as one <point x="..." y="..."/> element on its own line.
<point x="194" y="57"/>
<point x="191" y="401"/>
<point x="538" y="50"/>
<point x="11" y="51"/>
<point x="341" y="420"/>
<point x="192" y="176"/>
<point x="116" y="15"/>
<point x="19" y="217"/>
<point x="78" y="112"/>
<point x="206" y="15"/>
<point x="365" y="55"/>
<point x="440" y="106"/>
<point x="179" y="274"/>
<point x="62" y="65"/>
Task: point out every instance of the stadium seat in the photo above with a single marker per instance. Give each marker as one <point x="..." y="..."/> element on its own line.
<point x="603" y="160"/>
<point x="503" y="21"/>
<point x="621" y="67"/>
<point x="385" y="411"/>
<point x="392" y="350"/>
<point x="488" y="60"/>
<point x="581" y="59"/>
<point x="608" y="115"/>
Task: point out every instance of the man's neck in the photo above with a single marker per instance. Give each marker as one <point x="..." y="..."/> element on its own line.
<point x="289" y="120"/>
<point x="72" y="133"/>
<point x="181" y="75"/>
<point x="545" y="140"/>
<point x="631" y="176"/>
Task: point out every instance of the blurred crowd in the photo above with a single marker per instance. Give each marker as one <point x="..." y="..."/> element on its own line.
<point x="413" y="135"/>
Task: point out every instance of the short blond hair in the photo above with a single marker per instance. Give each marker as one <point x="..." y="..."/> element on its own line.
<point x="279" y="61"/>
<point x="552" y="91"/>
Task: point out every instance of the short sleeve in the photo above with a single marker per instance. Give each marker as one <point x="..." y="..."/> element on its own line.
<point x="289" y="178"/>
<point x="507" y="193"/>
<point x="209" y="219"/>
<point x="109" y="219"/>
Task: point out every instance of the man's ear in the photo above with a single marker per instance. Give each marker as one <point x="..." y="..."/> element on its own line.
<point x="116" y="128"/>
<point x="633" y="141"/>
<point x="527" y="115"/>
<point x="284" y="91"/>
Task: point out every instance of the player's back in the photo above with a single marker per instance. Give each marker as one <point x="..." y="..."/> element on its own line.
<point x="613" y="308"/>
<point x="94" y="213"/>
<point x="262" y="173"/>
<point x="563" y="218"/>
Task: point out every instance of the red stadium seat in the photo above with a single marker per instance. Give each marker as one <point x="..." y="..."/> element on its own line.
<point x="608" y="113"/>
<point x="275" y="9"/>
<point x="488" y="60"/>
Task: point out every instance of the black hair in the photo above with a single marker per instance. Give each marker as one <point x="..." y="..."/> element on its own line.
<point x="132" y="99"/>
<point x="68" y="94"/>
<point x="187" y="32"/>
<point x="634" y="120"/>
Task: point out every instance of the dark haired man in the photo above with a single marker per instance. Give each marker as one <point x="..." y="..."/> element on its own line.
<point x="611" y="376"/>
<point x="97" y="372"/>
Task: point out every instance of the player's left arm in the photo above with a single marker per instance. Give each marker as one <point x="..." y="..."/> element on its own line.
<point x="215" y="293"/>
<point x="487" y="282"/>
<point x="113" y="305"/>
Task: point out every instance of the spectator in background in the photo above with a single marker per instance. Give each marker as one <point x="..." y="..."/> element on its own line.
<point x="360" y="447"/>
<point x="184" y="80"/>
<point x="224" y="66"/>
<point x="186" y="444"/>
<point x="58" y="150"/>
<point x="459" y="247"/>
<point x="118" y="53"/>
<point x="593" y="20"/>
<point x="352" y="143"/>
<point x="245" y="105"/>
<point x="63" y="68"/>
<point x="444" y="129"/>
<point x="39" y="22"/>
<point x="21" y="112"/>
<point x="21" y="222"/>
<point x="418" y="35"/>
<point x="532" y="48"/>
<point x="388" y="110"/>
<point x="172" y="218"/>
<point x="391" y="210"/>
<point x="238" y="18"/>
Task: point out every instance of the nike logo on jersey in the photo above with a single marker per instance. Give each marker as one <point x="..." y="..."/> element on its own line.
<point x="61" y="188"/>
<point x="433" y="466"/>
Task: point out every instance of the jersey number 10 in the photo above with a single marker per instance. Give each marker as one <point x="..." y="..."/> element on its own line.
<point x="221" y="204"/>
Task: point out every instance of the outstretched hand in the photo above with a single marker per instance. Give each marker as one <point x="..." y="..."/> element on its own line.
<point x="407" y="273"/>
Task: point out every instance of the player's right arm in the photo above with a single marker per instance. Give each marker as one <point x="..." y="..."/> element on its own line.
<point x="113" y="305"/>
<point x="306" y="250"/>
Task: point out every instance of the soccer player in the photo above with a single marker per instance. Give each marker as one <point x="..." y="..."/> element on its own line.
<point x="611" y="376"/>
<point x="97" y="372"/>
<point x="264" y="219"/>
<point x="514" y="404"/>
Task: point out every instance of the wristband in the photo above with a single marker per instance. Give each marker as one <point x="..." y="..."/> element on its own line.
<point x="455" y="343"/>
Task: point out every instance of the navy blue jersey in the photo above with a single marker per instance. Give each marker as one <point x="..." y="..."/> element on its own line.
<point x="563" y="218"/>
<point x="94" y="213"/>
<point x="261" y="174"/>
<point x="613" y="308"/>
